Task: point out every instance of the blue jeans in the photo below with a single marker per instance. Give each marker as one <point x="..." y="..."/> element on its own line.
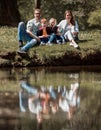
<point x="52" y="92"/>
<point x="56" y="38"/>
<point x="23" y="101"/>
<point x="24" y="36"/>
<point x="28" y="88"/>
<point x="44" y="40"/>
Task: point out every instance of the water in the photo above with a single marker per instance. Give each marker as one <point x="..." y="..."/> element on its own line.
<point x="59" y="98"/>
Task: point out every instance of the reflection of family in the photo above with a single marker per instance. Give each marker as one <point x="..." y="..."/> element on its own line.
<point x="40" y="31"/>
<point x="43" y="101"/>
<point x="70" y="101"/>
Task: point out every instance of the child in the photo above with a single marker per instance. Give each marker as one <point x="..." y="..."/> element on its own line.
<point x="56" y="36"/>
<point x="44" y="32"/>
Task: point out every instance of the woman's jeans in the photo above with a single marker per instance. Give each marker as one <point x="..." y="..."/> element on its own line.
<point x="24" y="36"/>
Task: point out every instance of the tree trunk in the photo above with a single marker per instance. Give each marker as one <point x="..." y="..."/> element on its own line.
<point x="9" y="14"/>
<point x="37" y="4"/>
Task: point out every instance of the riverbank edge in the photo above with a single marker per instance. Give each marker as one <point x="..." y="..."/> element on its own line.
<point x="74" y="58"/>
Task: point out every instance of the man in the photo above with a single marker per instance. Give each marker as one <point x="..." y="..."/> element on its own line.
<point x="29" y="33"/>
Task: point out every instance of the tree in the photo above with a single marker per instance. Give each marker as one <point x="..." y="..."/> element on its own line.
<point x="9" y="14"/>
<point x="37" y="3"/>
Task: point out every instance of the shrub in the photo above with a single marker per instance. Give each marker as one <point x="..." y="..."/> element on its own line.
<point x="94" y="19"/>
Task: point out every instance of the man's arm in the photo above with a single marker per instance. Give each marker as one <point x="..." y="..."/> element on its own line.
<point x="32" y="35"/>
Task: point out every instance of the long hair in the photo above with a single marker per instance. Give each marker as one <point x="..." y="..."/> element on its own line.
<point x="72" y="18"/>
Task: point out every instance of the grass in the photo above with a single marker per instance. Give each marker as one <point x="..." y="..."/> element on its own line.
<point x="9" y="43"/>
<point x="90" y="43"/>
<point x="8" y="39"/>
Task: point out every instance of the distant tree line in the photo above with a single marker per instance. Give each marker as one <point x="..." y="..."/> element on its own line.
<point x="82" y="10"/>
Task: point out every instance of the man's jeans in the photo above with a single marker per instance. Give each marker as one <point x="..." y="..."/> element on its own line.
<point x="24" y="36"/>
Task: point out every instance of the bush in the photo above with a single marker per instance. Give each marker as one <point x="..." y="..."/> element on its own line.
<point x="94" y="19"/>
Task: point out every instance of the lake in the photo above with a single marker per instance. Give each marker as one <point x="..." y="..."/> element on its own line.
<point x="50" y="98"/>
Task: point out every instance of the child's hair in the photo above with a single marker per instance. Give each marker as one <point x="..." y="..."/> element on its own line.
<point x="52" y="20"/>
<point x="43" y="20"/>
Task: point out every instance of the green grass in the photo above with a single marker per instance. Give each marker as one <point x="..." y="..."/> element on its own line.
<point x="9" y="43"/>
<point x="90" y="43"/>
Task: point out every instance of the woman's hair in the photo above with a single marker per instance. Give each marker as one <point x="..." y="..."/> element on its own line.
<point x="72" y="18"/>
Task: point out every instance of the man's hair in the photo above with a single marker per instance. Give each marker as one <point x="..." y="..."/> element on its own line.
<point x="37" y="10"/>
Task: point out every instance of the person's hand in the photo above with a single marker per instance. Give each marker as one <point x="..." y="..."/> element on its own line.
<point x="75" y="33"/>
<point x="38" y="39"/>
<point x="44" y="36"/>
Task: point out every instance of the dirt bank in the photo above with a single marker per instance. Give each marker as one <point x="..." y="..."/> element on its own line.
<point x="80" y="57"/>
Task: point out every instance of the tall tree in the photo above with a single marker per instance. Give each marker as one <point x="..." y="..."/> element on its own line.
<point x="37" y="3"/>
<point x="9" y="14"/>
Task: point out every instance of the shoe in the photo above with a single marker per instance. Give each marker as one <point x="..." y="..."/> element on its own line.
<point x="20" y="43"/>
<point x="63" y="42"/>
<point x="50" y="44"/>
<point x="42" y="43"/>
<point x="76" y="45"/>
<point x="58" y="42"/>
<point x="71" y="44"/>
<point x="21" y="52"/>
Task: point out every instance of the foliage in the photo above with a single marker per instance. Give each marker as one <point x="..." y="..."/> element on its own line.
<point x="8" y="40"/>
<point x="26" y="9"/>
<point x="80" y="9"/>
<point x="95" y="18"/>
<point x="52" y="55"/>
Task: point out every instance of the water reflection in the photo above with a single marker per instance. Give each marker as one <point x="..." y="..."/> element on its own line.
<point x="44" y="101"/>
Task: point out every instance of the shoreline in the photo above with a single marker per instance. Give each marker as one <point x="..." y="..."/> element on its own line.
<point x="72" y="58"/>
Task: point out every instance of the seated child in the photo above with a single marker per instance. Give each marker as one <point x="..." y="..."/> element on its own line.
<point x="56" y="36"/>
<point x="44" y="32"/>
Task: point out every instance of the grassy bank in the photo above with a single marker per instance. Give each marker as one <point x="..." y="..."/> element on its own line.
<point x="90" y="43"/>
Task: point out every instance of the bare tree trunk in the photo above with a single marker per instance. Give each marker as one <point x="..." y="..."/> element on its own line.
<point x="37" y="4"/>
<point x="9" y="14"/>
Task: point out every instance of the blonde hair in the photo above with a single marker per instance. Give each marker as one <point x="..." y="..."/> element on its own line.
<point x="52" y="20"/>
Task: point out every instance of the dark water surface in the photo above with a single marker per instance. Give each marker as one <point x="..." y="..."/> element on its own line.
<point x="59" y="98"/>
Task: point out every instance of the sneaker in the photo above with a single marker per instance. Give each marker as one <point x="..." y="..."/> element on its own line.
<point x="63" y="42"/>
<point x="42" y="43"/>
<point x="76" y="45"/>
<point x="58" y="42"/>
<point x="20" y="43"/>
<point x="21" y="52"/>
<point x="50" y="44"/>
<point x="71" y="44"/>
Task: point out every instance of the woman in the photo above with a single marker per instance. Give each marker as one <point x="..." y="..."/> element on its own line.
<point x="69" y="28"/>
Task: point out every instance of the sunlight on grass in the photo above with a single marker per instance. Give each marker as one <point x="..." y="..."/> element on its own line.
<point x="89" y="40"/>
<point x="8" y="39"/>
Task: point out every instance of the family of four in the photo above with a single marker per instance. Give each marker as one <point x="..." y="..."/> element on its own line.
<point x="39" y="31"/>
